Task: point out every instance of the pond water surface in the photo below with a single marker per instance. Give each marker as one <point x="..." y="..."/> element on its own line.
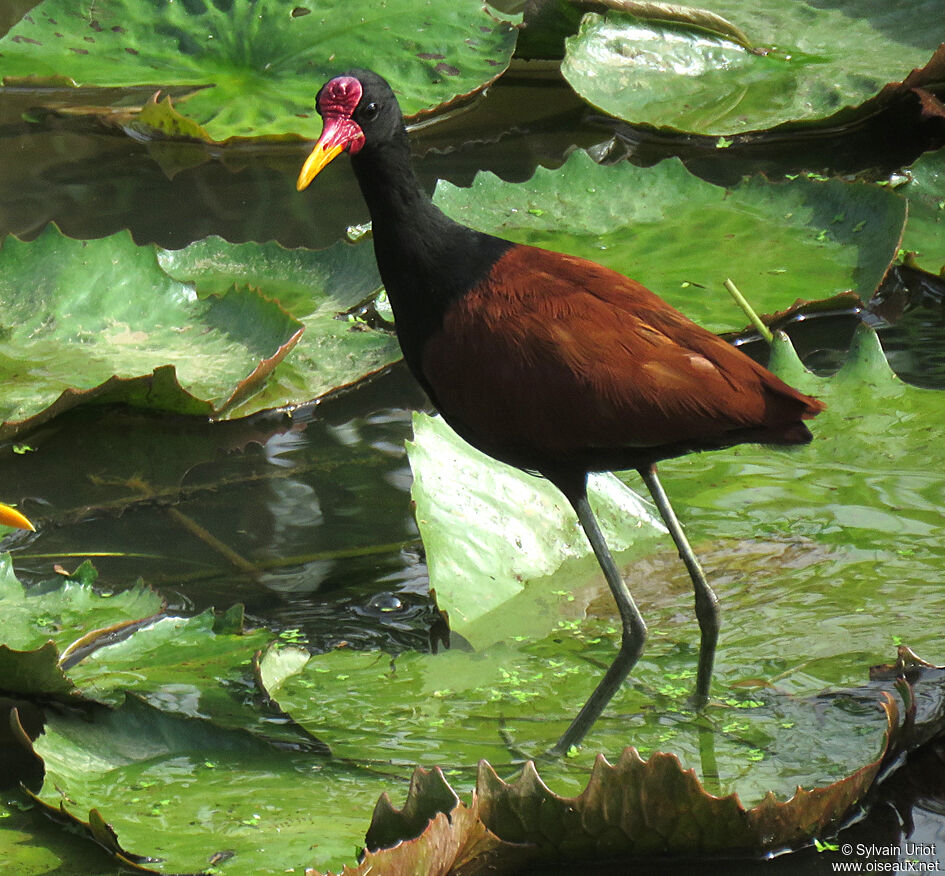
<point x="319" y="500"/>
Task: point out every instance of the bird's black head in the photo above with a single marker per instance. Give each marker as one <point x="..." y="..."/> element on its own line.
<point x="358" y="109"/>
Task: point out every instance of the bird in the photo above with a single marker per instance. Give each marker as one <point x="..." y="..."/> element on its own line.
<point x="550" y="362"/>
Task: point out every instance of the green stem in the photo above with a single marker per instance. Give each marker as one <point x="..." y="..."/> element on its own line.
<point x="741" y="301"/>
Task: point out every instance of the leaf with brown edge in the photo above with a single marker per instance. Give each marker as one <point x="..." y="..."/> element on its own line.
<point x="159" y="118"/>
<point x="454" y="843"/>
<point x="651" y="806"/>
<point x="96" y="829"/>
<point x="634" y="807"/>
<point x="20" y="723"/>
<point x="429" y="795"/>
<point x="920" y="684"/>
<point x="99" y="321"/>
<point x="35" y="672"/>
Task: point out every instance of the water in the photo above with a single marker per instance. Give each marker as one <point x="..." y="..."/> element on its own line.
<point x="317" y="504"/>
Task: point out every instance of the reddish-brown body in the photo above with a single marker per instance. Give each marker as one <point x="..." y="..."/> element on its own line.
<point x="557" y="361"/>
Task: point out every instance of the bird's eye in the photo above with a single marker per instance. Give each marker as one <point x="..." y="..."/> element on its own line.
<point x="370" y="112"/>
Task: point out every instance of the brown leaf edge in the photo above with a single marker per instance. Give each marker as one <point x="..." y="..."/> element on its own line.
<point x="160" y="390"/>
<point x="158" y="121"/>
<point x="96" y="829"/>
<point x="256" y="379"/>
<point x="850" y="140"/>
<point x="630" y="808"/>
<point x="453" y="842"/>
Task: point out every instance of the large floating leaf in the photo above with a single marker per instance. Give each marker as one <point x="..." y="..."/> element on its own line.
<point x="317" y="288"/>
<point x="818" y="59"/>
<point x="186" y="791"/>
<point x="682" y="237"/>
<point x="925" y="230"/>
<point x="263" y="60"/>
<point x="87" y="321"/>
<point x="635" y="807"/>
<point x="489" y="528"/>
<point x="68" y="641"/>
<point x="99" y="321"/>
<point x="865" y="495"/>
<point x="192" y="669"/>
<point x="35" y="672"/>
<point x="65" y="614"/>
<point x="513" y="700"/>
<point x="38" y="627"/>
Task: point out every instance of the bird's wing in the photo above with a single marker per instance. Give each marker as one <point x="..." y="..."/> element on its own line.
<point x="562" y="354"/>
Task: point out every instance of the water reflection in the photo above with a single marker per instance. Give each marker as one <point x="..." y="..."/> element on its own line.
<point x="301" y="518"/>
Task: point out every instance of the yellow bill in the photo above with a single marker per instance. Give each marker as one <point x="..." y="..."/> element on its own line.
<point x="11" y="517"/>
<point x="339" y="133"/>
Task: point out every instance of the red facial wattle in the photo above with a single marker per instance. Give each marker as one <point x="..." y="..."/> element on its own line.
<point x="336" y="104"/>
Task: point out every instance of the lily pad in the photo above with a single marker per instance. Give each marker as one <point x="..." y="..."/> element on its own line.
<point x="779" y="241"/>
<point x="100" y="321"/>
<point x="925" y="230"/>
<point x="864" y="495"/>
<point x="183" y="666"/>
<point x="64" y="612"/>
<point x="633" y="807"/>
<point x="193" y="794"/>
<point x="35" y="672"/>
<point x="72" y="643"/>
<point x="38" y="628"/>
<point x="318" y="288"/>
<point x="255" y="65"/>
<point x="489" y="528"/>
<point x="815" y="61"/>
<point x="512" y="701"/>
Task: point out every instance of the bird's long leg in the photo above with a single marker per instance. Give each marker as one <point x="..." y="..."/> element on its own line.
<point x="634" y="628"/>
<point x="707" y="603"/>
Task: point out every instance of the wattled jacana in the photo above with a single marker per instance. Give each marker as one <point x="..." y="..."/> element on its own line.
<point x="549" y="362"/>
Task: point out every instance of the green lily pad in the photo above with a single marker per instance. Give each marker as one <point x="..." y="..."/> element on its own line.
<point x="489" y="528"/>
<point x="925" y="191"/>
<point x="68" y="641"/>
<point x="317" y="288"/>
<point x="187" y="792"/>
<point x="512" y="700"/>
<point x="185" y="666"/>
<point x="30" y="843"/>
<point x="256" y="64"/>
<point x="35" y="672"/>
<point x="865" y="495"/>
<point x="64" y="612"/>
<point x="681" y="236"/>
<point x="633" y="807"/>
<point x="816" y="61"/>
<point x="99" y="321"/>
<point x="40" y="627"/>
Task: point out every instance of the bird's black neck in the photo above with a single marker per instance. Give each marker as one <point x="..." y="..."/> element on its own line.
<point x="426" y="260"/>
